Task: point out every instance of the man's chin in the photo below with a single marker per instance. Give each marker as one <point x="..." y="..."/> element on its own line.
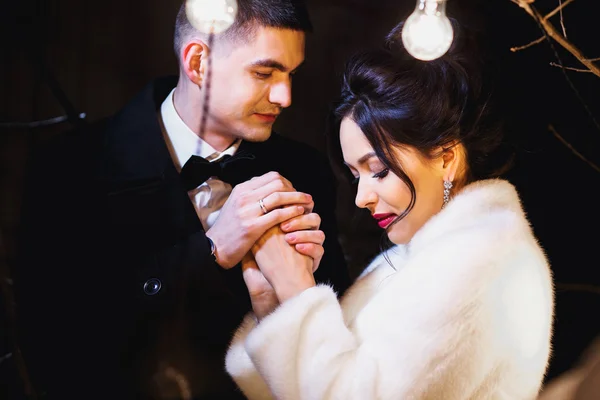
<point x="258" y="135"/>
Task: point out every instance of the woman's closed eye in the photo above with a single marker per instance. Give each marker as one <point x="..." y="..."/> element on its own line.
<point x="381" y="174"/>
<point x="378" y="175"/>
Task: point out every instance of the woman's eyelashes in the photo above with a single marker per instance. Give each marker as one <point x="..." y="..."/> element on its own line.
<point x="378" y="175"/>
<point x="381" y="174"/>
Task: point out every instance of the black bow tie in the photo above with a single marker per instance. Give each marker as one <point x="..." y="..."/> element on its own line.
<point x="230" y="169"/>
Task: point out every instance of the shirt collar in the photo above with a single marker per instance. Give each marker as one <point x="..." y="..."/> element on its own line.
<point x="184" y="142"/>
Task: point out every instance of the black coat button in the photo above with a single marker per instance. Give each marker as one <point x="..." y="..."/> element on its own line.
<point x="152" y="286"/>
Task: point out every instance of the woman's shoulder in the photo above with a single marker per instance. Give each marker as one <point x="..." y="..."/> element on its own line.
<point x="484" y="213"/>
<point x="479" y="235"/>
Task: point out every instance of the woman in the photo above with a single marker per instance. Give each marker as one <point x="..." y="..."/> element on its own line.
<point x="460" y="308"/>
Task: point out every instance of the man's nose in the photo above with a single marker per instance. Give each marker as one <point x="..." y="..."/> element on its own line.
<point x="281" y="94"/>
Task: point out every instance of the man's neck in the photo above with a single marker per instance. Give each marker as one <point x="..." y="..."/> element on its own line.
<point x="187" y="106"/>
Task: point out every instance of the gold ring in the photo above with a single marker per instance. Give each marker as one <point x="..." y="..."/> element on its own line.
<point x="261" y="203"/>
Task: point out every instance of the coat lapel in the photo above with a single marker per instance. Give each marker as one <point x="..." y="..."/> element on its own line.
<point x="144" y="195"/>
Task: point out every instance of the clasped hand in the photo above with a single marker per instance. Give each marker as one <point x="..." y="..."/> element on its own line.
<point x="276" y="270"/>
<point x="282" y="262"/>
<point x="285" y="241"/>
<point x="242" y="220"/>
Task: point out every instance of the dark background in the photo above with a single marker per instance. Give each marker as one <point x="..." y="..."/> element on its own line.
<point x="98" y="54"/>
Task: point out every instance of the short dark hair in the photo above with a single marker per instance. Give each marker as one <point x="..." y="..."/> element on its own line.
<point x="396" y="99"/>
<point x="285" y="14"/>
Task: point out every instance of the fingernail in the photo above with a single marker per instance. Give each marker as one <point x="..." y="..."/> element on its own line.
<point x="300" y="209"/>
<point x="290" y="237"/>
<point x="308" y="197"/>
<point x="285" y="226"/>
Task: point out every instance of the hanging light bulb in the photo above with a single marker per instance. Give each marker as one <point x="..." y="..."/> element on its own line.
<point x="427" y="33"/>
<point x="211" y="16"/>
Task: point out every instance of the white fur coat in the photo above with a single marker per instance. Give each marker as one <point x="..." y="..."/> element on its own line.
<point x="466" y="313"/>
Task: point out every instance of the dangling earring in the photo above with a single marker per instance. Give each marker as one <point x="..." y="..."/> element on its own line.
<point x="447" y="187"/>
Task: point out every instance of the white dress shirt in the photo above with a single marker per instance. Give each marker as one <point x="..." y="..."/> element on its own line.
<point x="208" y="198"/>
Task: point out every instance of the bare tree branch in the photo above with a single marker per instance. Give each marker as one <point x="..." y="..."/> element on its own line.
<point x="548" y="16"/>
<point x="578" y="287"/>
<point x="560" y="39"/>
<point x="536" y="41"/>
<point x="570" y="147"/>
<point x="569" y="68"/>
<point x="562" y="21"/>
<point x="558" y="9"/>
<point x="550" y="33"/>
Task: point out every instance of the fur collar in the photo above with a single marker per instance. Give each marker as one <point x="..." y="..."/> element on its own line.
<point x="468" y="209"/>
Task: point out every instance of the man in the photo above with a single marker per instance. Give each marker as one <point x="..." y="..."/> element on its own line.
<point x="129" y="284"/>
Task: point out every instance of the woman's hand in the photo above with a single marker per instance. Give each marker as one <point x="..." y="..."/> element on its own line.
<point x="263" y="296"/>
<point x="303" y="232"/>
<point x="288" y="271"/>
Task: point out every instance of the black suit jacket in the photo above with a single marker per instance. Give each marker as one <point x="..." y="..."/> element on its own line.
<point x="117" y="293"/>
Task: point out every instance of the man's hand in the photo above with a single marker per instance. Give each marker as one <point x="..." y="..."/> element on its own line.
<point x="242" y="221"/>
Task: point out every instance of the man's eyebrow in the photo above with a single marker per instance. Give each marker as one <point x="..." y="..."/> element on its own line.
<point x="270" y="63"/>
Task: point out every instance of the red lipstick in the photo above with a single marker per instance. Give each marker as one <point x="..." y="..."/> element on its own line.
<point x="384" y="220"/>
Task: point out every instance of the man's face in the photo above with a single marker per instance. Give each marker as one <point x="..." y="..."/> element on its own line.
<point x="252" y="83"/>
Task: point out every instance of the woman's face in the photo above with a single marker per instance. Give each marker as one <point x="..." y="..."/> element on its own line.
<point x="384" y="193"/>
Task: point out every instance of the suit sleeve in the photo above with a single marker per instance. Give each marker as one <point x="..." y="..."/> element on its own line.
<point x="78" y="280"/>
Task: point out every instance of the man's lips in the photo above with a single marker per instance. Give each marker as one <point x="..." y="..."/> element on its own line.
<point x="384" y="220"/>
<point x="267" y="117"/>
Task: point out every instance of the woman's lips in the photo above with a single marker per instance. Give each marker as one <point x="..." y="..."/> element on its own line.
<point x="384" y="220"/>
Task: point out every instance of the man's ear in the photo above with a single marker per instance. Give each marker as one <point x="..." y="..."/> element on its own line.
<point x="194" y="56"/>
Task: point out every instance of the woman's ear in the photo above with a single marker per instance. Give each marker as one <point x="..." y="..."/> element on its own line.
<point x="194" y="56"/>
<point x="453" y="158"/>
